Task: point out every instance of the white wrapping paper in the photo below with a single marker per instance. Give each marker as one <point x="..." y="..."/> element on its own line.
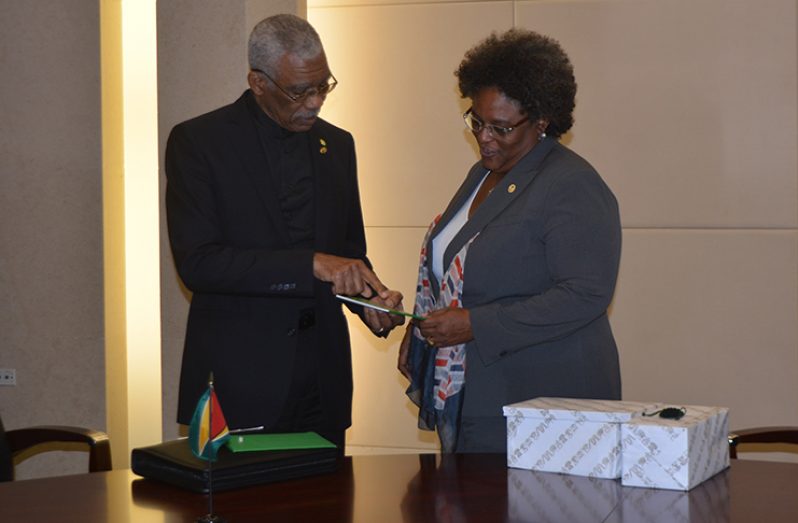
<point x="675" y="454"/>
<point x="570" y="436"/>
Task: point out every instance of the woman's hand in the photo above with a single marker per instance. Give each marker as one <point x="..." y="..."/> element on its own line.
<point x="404" y="350"/>
<point x="447" y="327"/>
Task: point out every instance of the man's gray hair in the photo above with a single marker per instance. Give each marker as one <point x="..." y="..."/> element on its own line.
<point x="278" y="35"/>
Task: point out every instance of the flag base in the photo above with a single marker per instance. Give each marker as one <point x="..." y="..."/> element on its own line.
<point x="211" y="518"/>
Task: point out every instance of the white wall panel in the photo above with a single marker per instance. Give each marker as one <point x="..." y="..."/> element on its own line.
<point x="398" y="96"/>
<point x="383" y="416"/>
<point x="709" y="317"/>
<point x="688" y="108"/>
<point x="367" y="3"/>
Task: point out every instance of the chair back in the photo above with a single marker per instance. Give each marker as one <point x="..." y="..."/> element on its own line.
<point x="19" y="441"/>
<point x="784" y="435"/>
<point x="6" y="462"/>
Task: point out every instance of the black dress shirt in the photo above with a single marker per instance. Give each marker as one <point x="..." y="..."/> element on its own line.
<point x="288" y="155"/>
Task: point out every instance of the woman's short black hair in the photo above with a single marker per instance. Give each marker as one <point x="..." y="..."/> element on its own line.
<point x="528" y="67"/>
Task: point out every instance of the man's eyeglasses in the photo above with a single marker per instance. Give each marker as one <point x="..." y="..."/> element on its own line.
<point x="476" y="125"/>
<point x="320" y="90"/>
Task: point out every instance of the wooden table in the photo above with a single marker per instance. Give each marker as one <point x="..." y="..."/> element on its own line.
<point x="413" y="488"/>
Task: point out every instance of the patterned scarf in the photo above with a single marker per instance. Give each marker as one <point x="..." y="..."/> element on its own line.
<point x="438" y="373"/>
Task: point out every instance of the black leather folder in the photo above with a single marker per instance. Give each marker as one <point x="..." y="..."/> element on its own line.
<point x="173" y="462"/>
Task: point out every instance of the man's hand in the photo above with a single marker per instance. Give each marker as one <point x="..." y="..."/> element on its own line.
<point x="349" y="276"/>
<point x="447" y="327"/>
<point x="381" y="323"/>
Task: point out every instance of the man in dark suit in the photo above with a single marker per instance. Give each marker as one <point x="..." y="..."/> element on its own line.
<point x="266" y="228"/>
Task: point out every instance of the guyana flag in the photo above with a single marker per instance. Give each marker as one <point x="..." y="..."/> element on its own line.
<point x="208" y="430"/>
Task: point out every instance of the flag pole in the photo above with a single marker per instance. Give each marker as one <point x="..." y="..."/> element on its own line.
<point x="210" y="517"/>
<point x="210" y="461"/>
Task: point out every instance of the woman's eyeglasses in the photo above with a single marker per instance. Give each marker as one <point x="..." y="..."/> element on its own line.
<point x="320" y="90"/>
<point x="476" y="125"/>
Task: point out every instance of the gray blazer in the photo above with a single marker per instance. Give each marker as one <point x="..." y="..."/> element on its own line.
<point x="537" y="282"/>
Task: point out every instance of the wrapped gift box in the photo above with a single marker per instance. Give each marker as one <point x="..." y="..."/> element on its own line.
<point x="541" y="496"/>
<point x="570" y="436"/>
<point x="675" y="454"/>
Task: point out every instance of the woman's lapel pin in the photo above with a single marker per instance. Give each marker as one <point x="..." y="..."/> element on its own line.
<point x="511" y="188"/>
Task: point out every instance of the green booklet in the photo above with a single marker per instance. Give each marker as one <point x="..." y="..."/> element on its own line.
<point x="364" y="302"/>
<point x="286" y="441"/>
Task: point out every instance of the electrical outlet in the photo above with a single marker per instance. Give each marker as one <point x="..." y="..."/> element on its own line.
<point x="8" y="377"/>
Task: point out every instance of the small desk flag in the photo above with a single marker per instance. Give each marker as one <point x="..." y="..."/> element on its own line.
<point x="208" y="430"/>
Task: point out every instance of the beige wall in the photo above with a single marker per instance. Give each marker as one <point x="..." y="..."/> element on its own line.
<point x="687" y="108"/>
<point x="51" y="272"/>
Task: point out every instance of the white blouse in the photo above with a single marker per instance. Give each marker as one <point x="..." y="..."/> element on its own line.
<point x="442" y="240"/>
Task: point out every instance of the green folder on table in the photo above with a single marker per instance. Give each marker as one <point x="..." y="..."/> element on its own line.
<point x="287" y="441"/>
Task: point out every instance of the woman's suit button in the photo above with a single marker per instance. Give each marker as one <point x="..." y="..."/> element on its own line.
<point x="290" y="332"/>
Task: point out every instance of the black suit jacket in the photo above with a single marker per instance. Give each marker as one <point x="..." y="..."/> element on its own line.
<point x="251" y="290"/>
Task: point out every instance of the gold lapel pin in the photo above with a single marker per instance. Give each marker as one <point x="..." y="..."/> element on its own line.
<point x="511" y="188"/>
<point x="323" y="148"/>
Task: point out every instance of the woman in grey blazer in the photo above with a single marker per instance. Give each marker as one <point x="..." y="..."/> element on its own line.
<point x="516" y="275"/>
